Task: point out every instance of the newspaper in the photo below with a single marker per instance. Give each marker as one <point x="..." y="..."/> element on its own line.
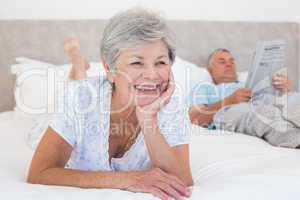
<point x="268" y="60"/>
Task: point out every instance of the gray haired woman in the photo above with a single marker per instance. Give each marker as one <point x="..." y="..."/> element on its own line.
<point x="126" y="129"/>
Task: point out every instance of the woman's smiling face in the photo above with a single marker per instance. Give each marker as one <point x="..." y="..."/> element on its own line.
<point x="142" y="73"/>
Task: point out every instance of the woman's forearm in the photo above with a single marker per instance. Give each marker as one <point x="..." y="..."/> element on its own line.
<point x="160" y="152"/>
<point x="85" y="179"/>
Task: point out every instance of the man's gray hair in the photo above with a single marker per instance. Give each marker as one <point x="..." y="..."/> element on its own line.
<point x="211" y="56"/>
<point x="134" y="27"/>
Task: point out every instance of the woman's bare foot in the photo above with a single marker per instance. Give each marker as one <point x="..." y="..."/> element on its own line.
<point x="79" y="63"/>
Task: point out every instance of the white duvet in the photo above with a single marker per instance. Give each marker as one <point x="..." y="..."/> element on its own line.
<point x="225" y="165"/>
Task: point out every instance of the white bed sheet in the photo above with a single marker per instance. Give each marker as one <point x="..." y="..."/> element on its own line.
<point x="225" y="165"/>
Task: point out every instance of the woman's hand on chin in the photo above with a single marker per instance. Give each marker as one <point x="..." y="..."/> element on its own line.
<point x="149" y="112"/>
<point x="160" y="184"/>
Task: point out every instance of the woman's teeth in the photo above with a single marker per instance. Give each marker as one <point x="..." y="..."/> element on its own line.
<point x="145" y="88"/>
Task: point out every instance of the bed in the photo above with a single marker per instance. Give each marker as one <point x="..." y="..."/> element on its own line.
<point x="225" y="165"/>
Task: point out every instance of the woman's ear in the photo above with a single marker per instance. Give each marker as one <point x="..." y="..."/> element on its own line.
<point x="109" y="73"/>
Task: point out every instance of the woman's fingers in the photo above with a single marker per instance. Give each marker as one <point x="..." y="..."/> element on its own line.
<point x="166" y="95"/>
<point x="176" y="183"/>
<point x="155" y="191"/>
<point x="155" y="106"/>
<point x="170" y="191"/>
<point x="172" y="177"/>
<point x="158" y="193"/>
<point x="182" y="190"/>
<point x="161" y="185"/>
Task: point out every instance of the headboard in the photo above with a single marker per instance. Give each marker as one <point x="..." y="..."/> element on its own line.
<point x="43" y="40"/>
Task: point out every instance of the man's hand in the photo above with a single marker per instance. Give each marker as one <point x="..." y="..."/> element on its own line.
<point x="203" y="114"/>
<point x="241" y="95"/>
<point x="281" y="82"/>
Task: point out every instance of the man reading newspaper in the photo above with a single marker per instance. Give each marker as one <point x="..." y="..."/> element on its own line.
<point x="266" y="108"/>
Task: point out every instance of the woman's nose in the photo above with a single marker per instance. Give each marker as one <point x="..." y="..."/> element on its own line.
<point x="150" y="73"/>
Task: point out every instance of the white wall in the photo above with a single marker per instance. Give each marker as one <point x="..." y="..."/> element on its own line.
<point x="241" y="10"/>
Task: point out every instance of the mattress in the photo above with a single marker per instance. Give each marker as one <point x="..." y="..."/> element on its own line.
<point x="225" y="165"/>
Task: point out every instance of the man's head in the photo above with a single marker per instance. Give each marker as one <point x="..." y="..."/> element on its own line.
<point x="221" y="66"/>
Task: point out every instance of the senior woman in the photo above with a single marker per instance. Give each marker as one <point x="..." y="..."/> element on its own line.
<point x="124" y="130"/>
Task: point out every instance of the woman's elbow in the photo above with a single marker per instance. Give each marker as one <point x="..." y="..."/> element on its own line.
<point x="32" y="179"/>
<point x="188" y="181"/>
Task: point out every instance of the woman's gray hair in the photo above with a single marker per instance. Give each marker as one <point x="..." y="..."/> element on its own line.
<point x="134" y="27"/>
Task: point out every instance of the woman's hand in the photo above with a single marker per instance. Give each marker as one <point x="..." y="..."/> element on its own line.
<point x="282" y="83"/>
<point x="160" y="184"/>
<point x="79" y="63"/>
<point x="149" y="112"/>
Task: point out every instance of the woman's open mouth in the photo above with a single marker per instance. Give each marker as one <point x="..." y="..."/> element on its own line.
<point x="148" y="89"/>
<point x="146" y="93"/>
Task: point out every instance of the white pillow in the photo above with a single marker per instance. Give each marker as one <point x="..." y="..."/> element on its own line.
<point x="39" y="89"/>
<point x="94" y="70"/>
<point x="25" y="60"/>
<point x="39" y="85"/>
<point x="187" y="75"/>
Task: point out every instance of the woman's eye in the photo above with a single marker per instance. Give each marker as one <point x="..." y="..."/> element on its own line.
<point x="161" y="63"/>
<point x="136" y="64"/>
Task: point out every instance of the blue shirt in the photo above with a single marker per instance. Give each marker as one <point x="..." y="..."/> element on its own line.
<point x="85" y="125"/>
<point x="207" y="93"/>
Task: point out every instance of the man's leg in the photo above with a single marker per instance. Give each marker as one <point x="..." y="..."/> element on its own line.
<point x="291" y="109"/>
<point x="266" y="121"/>
<point x="260" y="120"/>
<point x="229" y="117"/>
